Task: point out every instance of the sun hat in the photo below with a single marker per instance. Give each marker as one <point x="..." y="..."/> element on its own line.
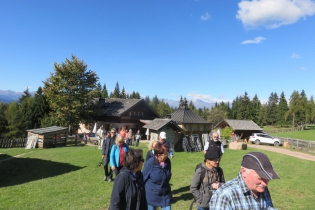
<point x="260" y="163"/>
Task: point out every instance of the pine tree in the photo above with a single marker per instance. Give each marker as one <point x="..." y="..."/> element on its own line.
<point x="40" y="108"/>
<point x="104" y="92"/>
<point x="123" y="93"/>
<point x="255" y="108"/>
<point x="3" y="120"/>
<point x="282" y="109"/>
<point x="294" y="106"/>
<point x="116" y="92"/>
<point x="272" y="108"/>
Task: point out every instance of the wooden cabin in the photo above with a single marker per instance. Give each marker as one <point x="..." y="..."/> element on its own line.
<point x="172" y="130"/>
<point x="49" y="137"/>
<point x="128" y="113"/>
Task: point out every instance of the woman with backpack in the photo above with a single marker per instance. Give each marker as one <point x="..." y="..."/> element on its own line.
<point x="207" y="178"/>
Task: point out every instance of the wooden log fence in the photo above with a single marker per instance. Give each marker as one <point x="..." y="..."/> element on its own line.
<point x="301" y="145"/>
<point x="11" y="143"/>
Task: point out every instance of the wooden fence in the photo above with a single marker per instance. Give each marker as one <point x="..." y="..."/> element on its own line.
<point x="283" y="130"/>
<point x="10" y="143"/>
<point x="301" y="145"/>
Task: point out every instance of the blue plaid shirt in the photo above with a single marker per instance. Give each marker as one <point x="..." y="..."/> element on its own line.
<point x="235" y="195"/>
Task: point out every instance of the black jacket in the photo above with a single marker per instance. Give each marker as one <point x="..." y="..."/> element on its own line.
<point x="109" y="142"/>
<point x="128" y="191"/>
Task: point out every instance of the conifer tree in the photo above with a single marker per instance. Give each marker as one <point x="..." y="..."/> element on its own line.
<point x="282" y="109"/>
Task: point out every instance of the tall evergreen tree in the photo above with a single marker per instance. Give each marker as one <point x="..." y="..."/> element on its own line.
<point x="123" y="93"/>
<point x="262" y="117"/>
<point x="147" y="99"/>
<point x="137" y="95"/>
<point x="116" y="92"/>
<point x="98" y="93"/>
<point x="13" y="118"/>
<point x="310" y="111"/>
<point x="26" y="94"/>
<point x="282" y="109"/>
<point x="3" y="120"/>
<point x="244" y="109"/>
<point x="40" y="108"/>
<point x="235" y="107"/>
<point x="294" y="106"/>
<point x="70" y="91"/>
<point x="255" y="103"/>
<point x="272" y="108"/>
<point x="163" y="109"/>
<point x="104" y="92"/>
<point x="301" y="118"/>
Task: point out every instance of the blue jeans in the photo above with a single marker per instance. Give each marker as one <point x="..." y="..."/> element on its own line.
<point x="137" y="142"/>
<point x="199" y="208"/>
<point x="163" y="208"/>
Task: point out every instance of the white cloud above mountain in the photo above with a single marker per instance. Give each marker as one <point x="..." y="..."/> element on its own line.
<point x="273" y="13"/>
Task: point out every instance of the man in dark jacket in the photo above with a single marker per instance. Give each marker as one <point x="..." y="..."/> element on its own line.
<point x="107" y="145"/>
<point x="214" y="145"/>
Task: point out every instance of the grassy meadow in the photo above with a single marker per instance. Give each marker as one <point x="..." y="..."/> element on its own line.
<point x="307" y="134"/>
<point x="69" y="178"/>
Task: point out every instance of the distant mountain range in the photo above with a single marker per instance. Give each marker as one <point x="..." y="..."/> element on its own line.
<point x="6" y="96"/>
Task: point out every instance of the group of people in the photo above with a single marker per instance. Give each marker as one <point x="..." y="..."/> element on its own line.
<point x="249" y="190"/>
<point x="132" y="188"/>
<point x="130" y="137"/>
<point x="151" y="188"/>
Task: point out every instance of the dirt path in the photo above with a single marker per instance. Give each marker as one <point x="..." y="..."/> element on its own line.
<point x="281" y="150"/>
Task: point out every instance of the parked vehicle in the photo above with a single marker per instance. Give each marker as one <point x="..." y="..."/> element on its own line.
<point x="264" y="138"/>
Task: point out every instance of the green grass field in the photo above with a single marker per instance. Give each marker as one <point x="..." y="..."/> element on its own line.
<point x="68" y="178"/>
<point x="308" y="134"/>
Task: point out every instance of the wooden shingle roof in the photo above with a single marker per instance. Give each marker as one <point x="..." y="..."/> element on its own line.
<point x="157" y="124"/>
<point x="240" y="125"/>
<point x="118" y="106"/>
<point x="185" y="115"/>
<point x="48" y="130"/>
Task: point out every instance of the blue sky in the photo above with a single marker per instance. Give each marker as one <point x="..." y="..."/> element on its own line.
<point x="213" y="50"/>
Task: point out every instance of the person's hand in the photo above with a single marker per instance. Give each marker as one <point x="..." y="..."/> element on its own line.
<point x="113" y="168"/>
<point x="103" y="156"/>
<point x="215" y="185"/>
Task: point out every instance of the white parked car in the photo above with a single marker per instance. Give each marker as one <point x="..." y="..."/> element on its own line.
<point x="264" y="138"/>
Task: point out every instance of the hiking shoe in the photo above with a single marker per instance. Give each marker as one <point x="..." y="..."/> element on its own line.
<point x="109" y="180"/>
<point x="105" y="178"/>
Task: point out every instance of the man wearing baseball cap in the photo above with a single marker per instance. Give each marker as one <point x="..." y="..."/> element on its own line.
<point x="249" y="190"/>
<point x="163" y="140"/>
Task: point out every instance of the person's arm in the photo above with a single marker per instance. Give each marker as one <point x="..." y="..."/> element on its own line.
<point x="146" y="170"/>
<point x="104" y="149"/>
<point x="148" y="155"/>
<point x="118" y="193"/>
<point x="206" y="147"/>
<point x="112" y="156"/>
<point x="195" y="184"/>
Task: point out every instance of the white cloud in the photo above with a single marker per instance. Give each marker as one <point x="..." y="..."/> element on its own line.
<point x="257" y="40"/>
<point x="302" y="68"/>
<point x="295" y="56"/>
<point x="204" y="97"/>
<point x="205" y="17"/>
<point x="273" y="13"/>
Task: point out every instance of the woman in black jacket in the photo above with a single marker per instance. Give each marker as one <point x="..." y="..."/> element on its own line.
<point x="128" y="190"/>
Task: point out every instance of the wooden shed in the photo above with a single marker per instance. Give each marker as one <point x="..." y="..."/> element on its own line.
<point x="49" y="137"/>
<point x="241" y="128"/>
<point x="172" y="130"/>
